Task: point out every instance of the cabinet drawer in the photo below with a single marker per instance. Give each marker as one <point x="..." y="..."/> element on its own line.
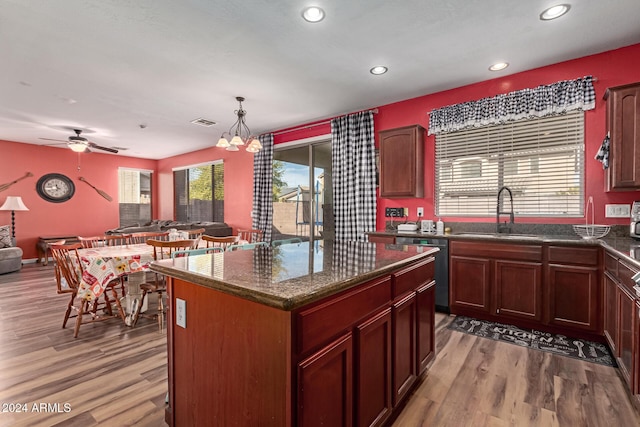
<point x="413" y="276"/>
<point x="611" y="264"/>
<point x="506" y="251"/>
<point x="316" y="325"/>
<point x="573" y="255"/>
<point x="625" y="273"/>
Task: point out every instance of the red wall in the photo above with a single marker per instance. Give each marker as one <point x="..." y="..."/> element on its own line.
<point x="611" y="68"/>
<point x="87" y="213"/>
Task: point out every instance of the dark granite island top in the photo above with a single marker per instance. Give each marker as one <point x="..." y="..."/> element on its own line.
<point x="293" y="275"/>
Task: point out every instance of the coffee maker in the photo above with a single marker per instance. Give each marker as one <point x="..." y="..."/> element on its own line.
<point x="634" y="229"/>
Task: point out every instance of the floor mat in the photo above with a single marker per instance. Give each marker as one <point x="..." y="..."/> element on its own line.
<point x="559" y="344"/>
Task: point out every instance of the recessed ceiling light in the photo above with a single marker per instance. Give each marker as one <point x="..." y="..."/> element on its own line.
<point x="499" y="66"/>
<point x="378" y="69"/>
<point x="554" y="12"/>
<point x="313" y="14"/>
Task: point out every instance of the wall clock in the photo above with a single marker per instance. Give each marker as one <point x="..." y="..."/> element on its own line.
<point x="55" y="188"/>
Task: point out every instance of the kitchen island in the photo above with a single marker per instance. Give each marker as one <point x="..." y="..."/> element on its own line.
<point x="303" y="334"/>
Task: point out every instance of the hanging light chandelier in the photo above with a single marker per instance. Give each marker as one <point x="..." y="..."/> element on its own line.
<point x="239" y="134"/>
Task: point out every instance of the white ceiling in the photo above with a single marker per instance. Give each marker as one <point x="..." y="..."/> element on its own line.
<point x="113" y="66"/>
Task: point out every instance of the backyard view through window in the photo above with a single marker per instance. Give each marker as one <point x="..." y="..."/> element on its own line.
<point x="134" y="196"/>
<point x="199" y="193"/>
<point x="541" y="160"/>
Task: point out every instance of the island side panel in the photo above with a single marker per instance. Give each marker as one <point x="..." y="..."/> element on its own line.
<point x="231" y="365"/>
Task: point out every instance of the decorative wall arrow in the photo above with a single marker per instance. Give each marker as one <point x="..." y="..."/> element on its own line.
<point x="9" y="184"/>
<point x="100" y="192"/>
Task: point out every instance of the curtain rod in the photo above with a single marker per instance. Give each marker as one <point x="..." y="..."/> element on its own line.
<point x="374" y="111"/>
<point x="594" y="79"/>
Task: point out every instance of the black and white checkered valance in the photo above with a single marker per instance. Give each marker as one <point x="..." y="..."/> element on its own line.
<point x="540" y="101"/>
<point x="263" y="187"/>
<point x="354" y="175"/>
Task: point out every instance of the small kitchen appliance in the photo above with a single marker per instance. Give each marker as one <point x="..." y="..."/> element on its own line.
<point x="407" y="228"/>
<point x="426" y="226"/>
<point x="634" y="230"/>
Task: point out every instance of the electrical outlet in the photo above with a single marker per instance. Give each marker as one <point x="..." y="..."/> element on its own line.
<point x="420" y="212"/>
<point x="617" y="211"/>
<point x="406" y="211"/>
<point x="181" y="313"/>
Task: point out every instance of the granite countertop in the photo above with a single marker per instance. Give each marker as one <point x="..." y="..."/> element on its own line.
<point x="624" y="247"/>
<point x="293" y="275"/>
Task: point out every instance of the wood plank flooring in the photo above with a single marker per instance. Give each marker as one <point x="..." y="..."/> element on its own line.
<point x="112" y="375"/>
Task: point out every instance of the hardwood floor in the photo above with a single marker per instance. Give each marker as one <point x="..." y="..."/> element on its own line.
<point x="112" y="375"/>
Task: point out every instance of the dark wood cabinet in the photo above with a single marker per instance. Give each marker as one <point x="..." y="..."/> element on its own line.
<point x="610" y="326"/>
<point x="325" y="381"/>
<point x="626" y="315"/>
<point x="404" y="372"/>
<point x="382" y="238"/>
<point x="623" y="121"/>
<point x="518" y="289"/>
<point x="373" y="386"/>
<point x="470" y="284"/>
<point x="425" y="324"/>
<point x="402" y="162"/>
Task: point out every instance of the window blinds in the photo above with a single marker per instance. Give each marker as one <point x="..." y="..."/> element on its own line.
<point x="541" y="160"/>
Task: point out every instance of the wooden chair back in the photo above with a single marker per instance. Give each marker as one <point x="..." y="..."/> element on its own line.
<point x="68" y="265"/>
<point x="196" y="233"/>
<point x="219" y="242"/>
<point x="163" y="249"/>
<point x="251" y="236"/>
<point x="117" y="239"/>
<point x="91" y="241"/>
<point x="142" y="237"/>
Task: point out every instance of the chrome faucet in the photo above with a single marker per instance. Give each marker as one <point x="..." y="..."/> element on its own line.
<point x="502" y="228"/>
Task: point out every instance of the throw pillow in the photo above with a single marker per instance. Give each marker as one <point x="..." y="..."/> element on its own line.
<point x="5" y="236"/>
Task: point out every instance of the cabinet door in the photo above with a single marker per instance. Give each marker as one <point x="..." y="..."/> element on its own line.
<point x="401" y="162"/>
<point x="518" y="289"/>
<point x="470" y="286"/>
<point x="626" y="309"/>
<point x="573" y="297"/>
<point x="610" y="313"/>
<point x="636" y="351"/>
<point x="373" y="366"/>
<point x="425" y="324"/>
<point x="404" y="350"/>
<point x="325" y="386"/>
<point x="623" y="109"/>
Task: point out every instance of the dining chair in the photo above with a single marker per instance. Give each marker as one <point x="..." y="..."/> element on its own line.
<point x="251" y="236"/>
<point x="91" y="241"/>
<point x="195" y="233"/>
<point x="247" y="246"/>
<point x="221" y="242"/>
<point x="117" y="239"/>
<point x="69" y="267"/>
<point x="142" y="237"/>
<point x="191" y="252"/>
<point x="162" y="249"/>
<point x="286" y="241"/>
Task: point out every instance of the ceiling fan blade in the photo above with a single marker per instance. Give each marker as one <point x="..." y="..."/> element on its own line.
<point x="97" y="147"/>
<point x="50" y="139"/>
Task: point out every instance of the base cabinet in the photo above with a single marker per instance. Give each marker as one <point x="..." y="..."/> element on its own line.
<point x="470" y="283"/>
<point x="518" y="289"/>
<point x="610" y="326"/>
<point x="425" y="323"/>
<point x="325" y="382"/>
<point x="626" y="332"/>
<point x="404" y="351"/>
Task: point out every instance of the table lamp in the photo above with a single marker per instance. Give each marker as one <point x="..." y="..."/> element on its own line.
<point x="13" y="203"/>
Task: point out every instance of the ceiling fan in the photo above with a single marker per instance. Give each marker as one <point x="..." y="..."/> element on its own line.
<point x="81" y="144"/>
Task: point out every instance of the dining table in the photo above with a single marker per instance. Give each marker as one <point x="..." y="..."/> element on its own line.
<point x="101" y="265"/>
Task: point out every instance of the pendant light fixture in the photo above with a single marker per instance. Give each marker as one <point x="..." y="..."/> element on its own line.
<point x="239" y="134"/>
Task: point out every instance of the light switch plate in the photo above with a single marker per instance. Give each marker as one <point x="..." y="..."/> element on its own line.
<point x="181" y="313"/>
<point x="617" y="211"/>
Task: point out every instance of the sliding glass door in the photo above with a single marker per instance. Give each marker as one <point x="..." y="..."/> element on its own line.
<point x="303" y="201"/>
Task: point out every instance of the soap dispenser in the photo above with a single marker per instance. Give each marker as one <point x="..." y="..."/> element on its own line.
<point x="440" y="227"/>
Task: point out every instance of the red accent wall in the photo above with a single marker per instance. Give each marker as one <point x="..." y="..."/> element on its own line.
<point x="87" y="213"/>
<point x="612" y="68"/>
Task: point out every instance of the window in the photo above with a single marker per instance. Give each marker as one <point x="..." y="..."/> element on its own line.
<point x="199" y="192"/>
<point x="134" y="196"/>
<point x="541" y="160"/>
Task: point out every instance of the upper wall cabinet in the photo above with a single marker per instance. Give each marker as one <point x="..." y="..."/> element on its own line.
<point x="402" y="162"/>
<point x="623" y="122"/>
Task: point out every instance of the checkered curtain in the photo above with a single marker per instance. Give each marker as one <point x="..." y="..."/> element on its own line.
<point x="352" y="258"/>
<point x="354" y="175"/>
<point x="263" y="186"/>
<point x="556" y="98"/>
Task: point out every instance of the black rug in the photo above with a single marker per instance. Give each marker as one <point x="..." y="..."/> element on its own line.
<point x="558" y="344"/>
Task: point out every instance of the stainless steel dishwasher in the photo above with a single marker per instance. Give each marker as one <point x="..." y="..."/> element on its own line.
<point x="441" y="268"/>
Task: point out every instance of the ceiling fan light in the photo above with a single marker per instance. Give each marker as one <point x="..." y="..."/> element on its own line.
<point x="78" y="147"/>
<point x="236" y="140"/>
